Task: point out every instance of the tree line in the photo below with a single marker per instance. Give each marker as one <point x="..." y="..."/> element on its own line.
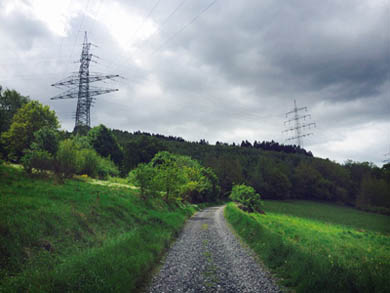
<point x="274" y="174"/>
<point x="30" y="135"/>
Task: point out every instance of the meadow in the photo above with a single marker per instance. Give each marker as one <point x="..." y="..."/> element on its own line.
<point x="317" y="247"/>
<point x="83" y="235"/>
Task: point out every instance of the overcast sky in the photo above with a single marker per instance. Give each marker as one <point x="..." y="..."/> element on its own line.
<point x="222" y="70"/>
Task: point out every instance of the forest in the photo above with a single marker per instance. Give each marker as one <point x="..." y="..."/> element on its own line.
<point x="30" y="135"/>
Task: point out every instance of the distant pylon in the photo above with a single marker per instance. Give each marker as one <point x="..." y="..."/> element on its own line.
<point x="299" y="125"/>
<point x="387" y="158"/>
<point x="79" y="86"/>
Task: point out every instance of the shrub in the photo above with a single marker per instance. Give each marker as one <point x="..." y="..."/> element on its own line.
<point x="247" y="197"/>
<point x="66" y="159"/>
<point x="143" y="177"/>
<point x="40" y="160"/>
<point x="88" y="162"/>
<point x="106" y="168"/>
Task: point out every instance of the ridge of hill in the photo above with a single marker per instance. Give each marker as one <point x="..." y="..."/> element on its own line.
<point x="274" y="171"/>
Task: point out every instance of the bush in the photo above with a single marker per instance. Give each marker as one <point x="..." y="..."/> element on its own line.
<point x="247" y="197"/>
<point x="66" y="159"/>
<point x="72" y="158"/>
<point x="143" y="177"/>
<point x="106" y="168"/>
<point x="40" y="160"/>
<point x="88" y="162"/>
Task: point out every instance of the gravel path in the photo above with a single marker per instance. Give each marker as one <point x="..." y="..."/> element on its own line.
<point x="207" y="257"/>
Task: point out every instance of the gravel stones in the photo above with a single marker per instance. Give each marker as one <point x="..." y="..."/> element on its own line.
<point x="207" y="257"/>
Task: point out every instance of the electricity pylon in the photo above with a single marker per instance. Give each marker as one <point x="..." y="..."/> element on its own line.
<point x="387" y="158"/>
<point x="299" y="125"/>
<point x="79" y="86"/>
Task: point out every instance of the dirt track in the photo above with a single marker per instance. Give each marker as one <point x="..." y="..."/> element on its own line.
<point x="207" y="257"/>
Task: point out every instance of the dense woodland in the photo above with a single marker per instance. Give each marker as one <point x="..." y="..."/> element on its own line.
<point x="275" y="171"/>
<point x="30" y="135"/>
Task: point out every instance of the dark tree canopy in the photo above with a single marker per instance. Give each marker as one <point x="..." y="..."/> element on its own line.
<point x="10" y="102"/>
<point x="104" y="142"/>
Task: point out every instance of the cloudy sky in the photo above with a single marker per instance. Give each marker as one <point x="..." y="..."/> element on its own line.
<point x="223" y="70"/>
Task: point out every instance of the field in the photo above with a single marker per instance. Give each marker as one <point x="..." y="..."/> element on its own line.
<point x="79" y="236"/>
<point x="316" y="247"/>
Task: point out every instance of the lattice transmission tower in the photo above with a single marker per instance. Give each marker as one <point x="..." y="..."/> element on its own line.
<point x="387" y="157"/>
<point x="300" y="126"/>
<point x="79" y="87"/>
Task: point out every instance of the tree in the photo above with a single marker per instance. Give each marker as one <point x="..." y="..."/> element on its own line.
<point x="305" y="182"/>
<point x="140" y="150"/>
<point x="143" y="177"/>
<point x="104" y="142"/>
<point x="41" y="152"/>
<point x="28" y="119"/>
<point x="10" y="102"/>
<point x="277" y="185"/>
<point x="175" y="177"/>
<point x="46" y="139"/>
<point x="246" y="196"/>
<point x="168" y="173"/>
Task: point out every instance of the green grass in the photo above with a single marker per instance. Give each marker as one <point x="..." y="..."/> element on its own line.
<point x="80" y="236"/>
<point x="317" y="247"/>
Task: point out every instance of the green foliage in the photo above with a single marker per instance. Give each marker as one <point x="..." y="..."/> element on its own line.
<point x="41" y="152"/>
<point x="169" y="176"/>
<point x="81" y="142"/>
<point x="175" y="178"/>
<point x="103" y="141"/>
<point x="80" y="236"/>
<point x="228" y="169"/>
<point x="38" y="159"/>
<point x="106" y="168"/>
<point x="248" y="197"/>
<point x="87" y="162"/>
<point x="319" y="248"/>
<point x="46" y="139"/>
<point x="277" y="184"/>
<point x="274" y="174"/>
<point x="374" y="192"/>
<point x="66" y="159"/>
<point x="10" y="102"/>
<point x="73" y="158"/>
<point x="144" y="177"/>
<point x="28" y="119"/>
<point x="140" y="150"/>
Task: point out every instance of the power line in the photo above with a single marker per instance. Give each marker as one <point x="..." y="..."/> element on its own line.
<point x="174" y="35"/>
<point x="159" y="29"/>
<point x="144" y="20"/>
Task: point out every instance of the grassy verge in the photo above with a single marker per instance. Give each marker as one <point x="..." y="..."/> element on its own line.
<point x="79" y="236"/>
<point x="319" y="248"/>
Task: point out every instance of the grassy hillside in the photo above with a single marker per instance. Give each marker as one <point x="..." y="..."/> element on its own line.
<point x="79" y="236"/>
<point x="318" y="247"/>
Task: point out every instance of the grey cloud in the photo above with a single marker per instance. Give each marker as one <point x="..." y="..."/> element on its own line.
<point x="229" y="75"/>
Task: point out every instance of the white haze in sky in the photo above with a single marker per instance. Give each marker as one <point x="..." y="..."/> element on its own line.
<point x="220" y="70"/>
